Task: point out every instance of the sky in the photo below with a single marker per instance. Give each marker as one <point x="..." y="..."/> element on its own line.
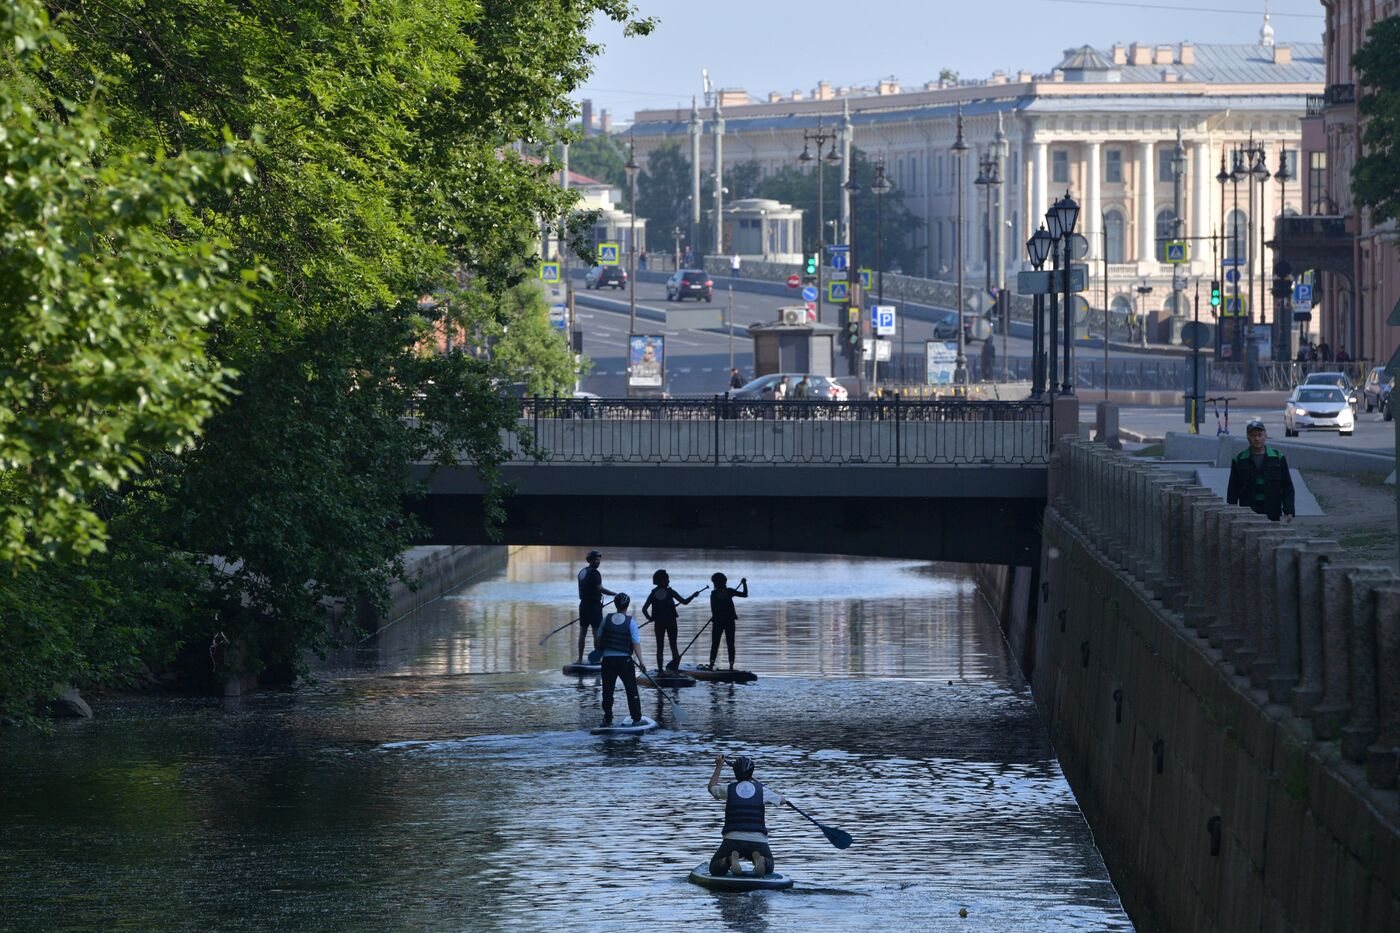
<point x="783" y="45"/>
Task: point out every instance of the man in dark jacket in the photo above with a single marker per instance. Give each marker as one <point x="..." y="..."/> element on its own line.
<point x="1259" y="477"/>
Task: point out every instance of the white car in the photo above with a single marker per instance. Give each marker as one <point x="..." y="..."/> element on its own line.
<point x="1318" y="408"/>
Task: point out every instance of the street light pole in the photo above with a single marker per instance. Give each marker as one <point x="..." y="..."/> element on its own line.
<point x="1260" y="173"/>
<point x="1068" y="210"/>
<point x="879" y="187"/>
<point x="821" y="137"/>
<point x="1281" y="334"/>
<point x="1038" y="248"/>
<point x="631" y="168"/>
<point x="1178" y="228"/>
<point x="959" y="151"/>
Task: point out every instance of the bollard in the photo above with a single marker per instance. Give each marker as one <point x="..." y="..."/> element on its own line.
<point x="1383" y="757"/>
<point x="1200" y="606"/>
<point x="1250" y="612"/>
<point x="1362" y="726"/>
<point x="1280" y="652"/>
<point x="1311" y="560"/>
<point x="1265" y="622"/>
<point x="1186" y="543"/>
<point x="1236" y="622"/>
<point x="1334" y="707"/>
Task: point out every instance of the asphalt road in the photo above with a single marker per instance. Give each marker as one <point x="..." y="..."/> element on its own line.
<point x="1372" y="434"/>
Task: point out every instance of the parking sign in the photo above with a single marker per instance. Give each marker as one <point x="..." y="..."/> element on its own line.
<point x="882" y="320"/>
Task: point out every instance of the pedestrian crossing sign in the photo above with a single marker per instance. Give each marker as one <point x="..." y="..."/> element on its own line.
<point x="1235" y="306"/>
<point x="549" y="272"/>
<point x="608" y="254"/>
<point x="865" y="278"/>
<point x="838" y="292"/>
<point x="1176" y="251"/>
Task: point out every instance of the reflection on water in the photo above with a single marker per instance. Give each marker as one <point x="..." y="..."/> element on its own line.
<point x="446" y="779"/>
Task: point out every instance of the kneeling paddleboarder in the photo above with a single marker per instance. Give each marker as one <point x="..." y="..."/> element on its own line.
<point x="745" y="831"/>
<point x="619" y="639"/>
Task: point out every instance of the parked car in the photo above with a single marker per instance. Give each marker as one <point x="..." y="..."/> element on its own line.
<point x="1340" y="380"/>
<point x="689" y="283"/>
<point x="598" y="276"/>
<point x="1387" y="402"/>
<point x="1318" y="408"/>
<point x="945" y="326"/>
<point x="821" y="387"/>
<point x="1376" y="389"/>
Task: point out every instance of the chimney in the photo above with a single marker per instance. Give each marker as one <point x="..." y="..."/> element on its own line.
<point x="732" y="97"/>
<point x="1025" y="77"/>
<point x="605" y="123"/>
<point x="588" y="118"/>
<point x="1283" y="55"/>
<point x="887" y="86"/>
<point x="1120" y="54"/>
<point x="998" y="77"/>
<point x="798" y="95"/>
<point x="822" y="91"/>
<point x="1188" y="54"/>
<point x="1057" y="75"/>
<point x="774" y="97"/>
<point x="1140" y="54"/>
<point x="930" y="85"/>
<point x="1170" y="76"/>
<point x="1163" y="55"/>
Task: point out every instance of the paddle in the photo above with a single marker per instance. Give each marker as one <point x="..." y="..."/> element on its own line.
<point x="564" y="626"/>
<point x="838" y="838"/>
<point x="697" y="635"/>
<point x="675" y="704"/>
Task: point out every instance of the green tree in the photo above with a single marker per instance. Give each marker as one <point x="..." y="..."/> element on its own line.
<point x="601" y="157"/>
<point x="663" y="196"/>
<point x="1375" y="178"/>
<point x="744" y="180"/>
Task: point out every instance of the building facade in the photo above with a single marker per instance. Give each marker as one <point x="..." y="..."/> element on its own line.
<point x="1357" y="261"/>
<point x="1102" y="125"/>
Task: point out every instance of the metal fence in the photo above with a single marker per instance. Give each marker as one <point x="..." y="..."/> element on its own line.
<point x="722" y="431"/>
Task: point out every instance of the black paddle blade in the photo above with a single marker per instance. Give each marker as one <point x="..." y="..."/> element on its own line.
<point x="838" y="838"/>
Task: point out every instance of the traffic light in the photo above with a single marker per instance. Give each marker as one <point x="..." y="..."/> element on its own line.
<point x="1283" y="287"/>
<point x="812" y="264"/>
<point x="1215" y="293"/>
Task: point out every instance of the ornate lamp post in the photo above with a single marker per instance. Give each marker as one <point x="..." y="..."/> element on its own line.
<point x="1067" y="213"/>
<point x="631" y="168"/>
<point x="1243" y="333"/>
<point x="879" y="187"/>
<point x="960" y="364"/>
<point x="1282" y="176"/>
<point x="1259" y="171"/>
<point x="1038" y="248"/>
<point x="852" y="188"/>
<point x="821" y="137"/>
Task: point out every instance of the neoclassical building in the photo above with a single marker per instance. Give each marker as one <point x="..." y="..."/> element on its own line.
<point x="1103" y="124"/>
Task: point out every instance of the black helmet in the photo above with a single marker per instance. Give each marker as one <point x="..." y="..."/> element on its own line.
<point x="622" y="601"/>
<point x="594" y="554"/>
<point x="1255" y="425"/>
<point x="743" y="767"/>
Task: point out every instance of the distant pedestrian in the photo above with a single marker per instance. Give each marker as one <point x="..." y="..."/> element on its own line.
<point x="660" y="609"/>
<point x="1259" y="477"/>
<point x="736" y="381"/>
<point x="1304" y="352"/>
<point x="590" y="600"/>
<point x="642" y="260"/>
<point x="799" y="390"/>
<point x="1324" y="352"/>
<point x="989" y="360"/>
<point x="780" y="391"/>
<point x="620" y="641"/>
<point x="723" y="615"/>
<point x="734" y="266"/>
<point x="689" y="257"/>
<point x="1342" y="355"/>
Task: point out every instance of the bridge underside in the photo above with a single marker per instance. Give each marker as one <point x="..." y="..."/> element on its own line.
<point x="973" y="516"/>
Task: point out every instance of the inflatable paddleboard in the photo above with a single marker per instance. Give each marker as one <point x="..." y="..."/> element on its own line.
<point x="665" y="679"/>
<point x="719" y="676"/>
<point x="748" y="881"/>
<point x="626" y="727"/>
<point x="579" y="670"/>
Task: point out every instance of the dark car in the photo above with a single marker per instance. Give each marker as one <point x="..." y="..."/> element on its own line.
<point x="945" y="326"/>
<point x="598" y="276"/>
<point x="1340" y="380"/>
<point x="1375" y="391"/>
<point x="689" y="283"/>
<point x="818" y="388"/>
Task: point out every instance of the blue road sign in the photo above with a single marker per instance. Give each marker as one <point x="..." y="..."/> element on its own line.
<point x="837" y="293"/>
<point x="608" y="254"/>
<point x="1232" y="261"/>
<point x="882" y="319"/>
<point x="839" y="261"/>
<point x="1235" y="305"/>
<point x="838" y="247"/>
<point x="1232" y="276"/>
<point x="1302" y="293"/>
<point x="809" y="293"/>
<point x="865" y="278"/>
<point x="1176" y="251"/>
<point x="549" y="272"/>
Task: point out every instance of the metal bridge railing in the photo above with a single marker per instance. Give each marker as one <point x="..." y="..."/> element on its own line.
<point x="722" y="431"/>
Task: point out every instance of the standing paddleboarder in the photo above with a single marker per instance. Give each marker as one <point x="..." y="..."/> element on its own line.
<point x="590" y="601"/>
<point x="619" y="639"/>
<point x="723" y="614"/>
<point x="660" y="609"/>
<point x="745" y="831"/>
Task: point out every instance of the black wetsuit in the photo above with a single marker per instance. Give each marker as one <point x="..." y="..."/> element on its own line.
<point x="663" y="601"/>
<point x="724" y="615"/>
<point x="590" y="598"/>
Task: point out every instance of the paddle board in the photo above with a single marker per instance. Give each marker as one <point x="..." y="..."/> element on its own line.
<point x="573" y="669"/>
<point x="748" y="881"/>
<point x="665" y="679"/>
<point x="719" y="676"/>
<point x="626" y="727"/>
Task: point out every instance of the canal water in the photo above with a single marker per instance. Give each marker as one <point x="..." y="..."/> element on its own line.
<point x="445" y="778"/>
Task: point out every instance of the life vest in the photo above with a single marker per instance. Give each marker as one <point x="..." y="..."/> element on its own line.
<point x="588" y="588"/>
<point x="744" y="814"/>
<point x="663" y="605"/>
<point x="617" y="633"/>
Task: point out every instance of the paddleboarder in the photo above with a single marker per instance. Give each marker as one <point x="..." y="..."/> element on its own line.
<point x="723" y="614"/>
<point x="660" y="610"/>
<point x="590" y="601"/>
<point x="745" y="831"/>
<point x="619" y="640"/>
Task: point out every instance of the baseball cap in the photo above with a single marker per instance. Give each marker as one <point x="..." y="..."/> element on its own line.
<point x="1255" y="425"/>
<point x="593" y="554"/>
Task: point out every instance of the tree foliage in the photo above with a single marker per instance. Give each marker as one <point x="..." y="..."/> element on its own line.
<point x="358" y="156"/>
<point x="599" y="157"/>
<point x="1376" y="174"/>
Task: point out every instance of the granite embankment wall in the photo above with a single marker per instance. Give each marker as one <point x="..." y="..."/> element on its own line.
<point x="430" y="573"/>
<point x="1223" y="693"/>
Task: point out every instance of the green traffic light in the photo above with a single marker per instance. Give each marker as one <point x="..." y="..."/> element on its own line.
<point x="1215" y="294"/>
<point x="811" y="265"/>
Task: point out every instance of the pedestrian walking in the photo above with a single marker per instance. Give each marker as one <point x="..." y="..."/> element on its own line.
<point x="1324" y="352"/>
<point x="734" y="266"/>
<point x="745" y="829"/>
<point x="642" y="260"/>
<point x="619" y="639"/>
<point x="989" y="360"/>
<point x="723" y="615"/>
<point x="1342" y="355"/>
<point x="590" y="601"/>
<point x="660" y="610"/>
<point x="1259" y="477"/>
<point x="736" y="381"/>
<point x="780" y="391"/>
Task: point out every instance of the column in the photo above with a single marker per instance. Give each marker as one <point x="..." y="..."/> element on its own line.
<point x="847" y="137"/>
<point x="1093" y="210"/>
<point x="1199" y="210"/>
<point x="1040" y="180"/>
<point x="1147" y="205"/>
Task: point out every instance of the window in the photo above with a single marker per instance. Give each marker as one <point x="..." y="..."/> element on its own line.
<point x="952" y="171"/>
<point x="1236" y="235"/>
<point x="1113" y="166"/>
<point x="1317" y="183"/>
<point x="1059" y="167"/>
<point x="938" y="173"/>
<point x="913" y="174"/>
<point x="1164" y="164"/>
<point x="1114" y="234"/>
<point x="1015" y="163"/>
<point x="1166" y="230"/>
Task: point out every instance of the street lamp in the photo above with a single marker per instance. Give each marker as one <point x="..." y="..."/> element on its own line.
<point x="1243" y="331"/>
<point x="1061" y="219"/>
<point x="852" y="187"/>
<point x="959" y="151"/>
<point x="821" y="137"/>
<point x="631" y="168"/>
<point x="1178" y="165"/>
<point x="1260" y="173"/>
<point x="987" y="179"/>
<point x="1282" y="176"/>
<point x="880" y="187"/>
<point x="1038" y="248"/>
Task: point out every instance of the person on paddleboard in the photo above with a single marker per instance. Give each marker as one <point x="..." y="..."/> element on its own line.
<point x="619" y="640"/>
<point x="745" y="830"/>
<point x="723" y="615"/>
<point x="660" y="610"/>
<point x="590" y="601"/>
